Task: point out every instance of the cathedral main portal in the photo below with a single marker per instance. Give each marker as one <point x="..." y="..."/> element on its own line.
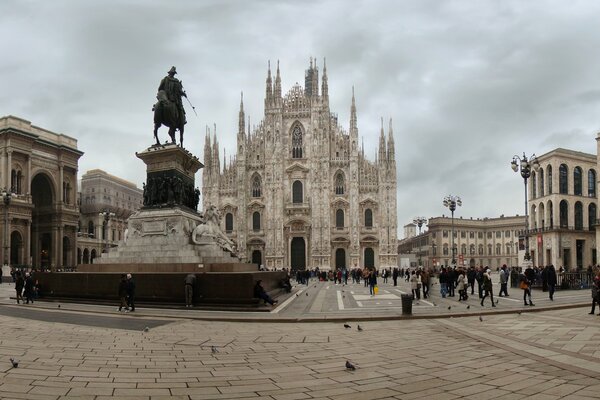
<point x="298" y="253"/>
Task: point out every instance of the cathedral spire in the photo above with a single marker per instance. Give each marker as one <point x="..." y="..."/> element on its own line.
<point x="391" y="150"/>
<point x="353" y="127"/>
<point x="269" y="90"/>
<point x="207" y="150"/>
<point x="277" y="93"/>
<point x="382" y="147"/>
<point x="325" y="86"/>
<point x="242" y="117"/>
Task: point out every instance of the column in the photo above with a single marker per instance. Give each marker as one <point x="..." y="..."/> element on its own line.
<point x="27" y="249"/>
<point x="2" y="168"/>
<point x="61" y="198"/>
<point x="28" y="188"/>
<point x="8" y="170"/>
<point x="59" y="253"/>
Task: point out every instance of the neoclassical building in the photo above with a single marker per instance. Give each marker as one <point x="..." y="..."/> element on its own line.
<point x="39" y="168"/>
<point x="100" y="193"/>
<point x="563" y="209"/>
<point x="299" y="191"/>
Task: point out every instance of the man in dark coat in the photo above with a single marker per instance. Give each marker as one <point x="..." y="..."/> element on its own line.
<point x="130" y="293"/>
<point x="28" y="288"/>
<point x="551" y="279"/>
<point x="123" y="293"/>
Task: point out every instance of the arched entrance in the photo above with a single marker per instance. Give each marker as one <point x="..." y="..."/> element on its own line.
<point x="369" y="258"/>
<point x="66" y="252"/>
<point x="86" y="256"/>
<point x="16" y="248"/>
<point x="79" y="256"/>
<point x="298" y="253"/>
<point x="257" y="257"/>
<point x="93" y="256"/>
<point x="43" y="213"/>
<point x="340" y="258"/>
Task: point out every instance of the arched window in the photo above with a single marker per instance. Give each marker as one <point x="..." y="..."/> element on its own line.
<point x="591" y="183"/>
<point x="549" y="174"/>
<point x="297" y="192"/>
<point x="297" y="142"/>
<point x="533" y="185"/>
<point x="445" y="249"/>
<point x="472" y="249"/>
<point x="578" y="216"/>
<point x="256" y="221"/>
<point x="368" y="218"/>
<point x="228" y="222"/>
<point x="508" y="248"/>
<point x="480" y="250"/>
<point x="498" y="249"/>
<point x="463" y="249"/>
<point x="91" y="228"/>
<point x="256" y="186"/>
<point x="563" y="179"/>
<point x="577" y="181"/>
<point x="564" y="214"/>
<point x="339" y="218"/>
<point x="541" y="174"/>
<point x="591" y="216"/>
<point x="369" y="258"/>
<point x="489" y="249"/>
<point x="339" y="183"/>
<point x="550" y="214"/>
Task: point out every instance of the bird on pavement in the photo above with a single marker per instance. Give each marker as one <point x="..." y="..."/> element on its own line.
<point x="468" y="307"/>
<point x="347" y="326"/>
<point x="307" y="293"/>
<point x="214" y="350"/>
<point x="449" y="307"/>
<point x="14" y="363"/>
<point x="359" y="328"/>
<point x="435" y="305"/>
<point x="59" y="306"/>
<point x="350" y="366"/>
<point x="480" y="318"/>
<point x="146" y="329"/>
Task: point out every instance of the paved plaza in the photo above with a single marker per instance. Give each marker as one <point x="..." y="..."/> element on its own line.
<point x="91" y="351"/>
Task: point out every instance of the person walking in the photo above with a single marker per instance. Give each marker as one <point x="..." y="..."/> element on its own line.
<point x="372" y="282"/>
<point x="488" y="287"/>
<point x="122" y="292"/>
<point x="503" y="281"/>
<point x="595" y="293"/>
<point x="461" y="286"/>
<point x="551" y="279"/>
<point x="443" y="279"/>
<point x="130" y="293"/>
<point x="425" y="276"/>
<point x="19" y="284"/>
<point x="28" y="288"/>
<point x="395" y="276"/>
<point x="188" y="283"/>
<point x="525" y="284"/>
<point x="471" y="279"/>
<point x="414" y="285"/>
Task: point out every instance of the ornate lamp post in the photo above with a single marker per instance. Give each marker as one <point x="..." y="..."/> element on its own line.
<point x="419" y="221"/>
<point x="525" y="164"/>
<point x="106" y="215"/>
<point x="6" y="198"/>
<point x="452" y="202"/>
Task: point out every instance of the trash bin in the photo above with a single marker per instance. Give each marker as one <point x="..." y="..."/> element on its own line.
<point x="407" y="300"/>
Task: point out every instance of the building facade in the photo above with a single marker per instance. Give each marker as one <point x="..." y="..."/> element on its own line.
<point x="299" y="191"/>
<point x="106" y="202"/>
<point x="39" y="169"/>
<point x="563" y="209"/>
<point x="488" y="242"/>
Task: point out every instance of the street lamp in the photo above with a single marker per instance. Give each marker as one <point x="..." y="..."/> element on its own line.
<point x="106" y="215"/>
<point x="451" y="202"/>
<point x="419" y="221"/>
<point x="6" y="197"/>
<point x="525" y="165"/>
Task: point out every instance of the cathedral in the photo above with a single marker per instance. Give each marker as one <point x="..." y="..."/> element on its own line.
<point x="299" y="192"/>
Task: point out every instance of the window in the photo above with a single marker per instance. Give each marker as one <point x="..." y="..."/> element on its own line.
<point x="297" y="142"/>
<point x="508" y="248"/>
<point x="472" y="249"/>
<point x="489" y="235"/>
<point x="480" y="235"/>
<point x="498" y="249"/>
<point x="498" y="234"/>
<point x="577" y="181"/>
<point x="339" y="183"/>
<point x="541" y="172"/>
<point x="91" y="228"/>
<point x="297" y="192"/>
<point x="228" y="222"/>
<point x="433" y="235"/>
<point x="256" y="221"/>
<point x="578" y="216"/>
<point x="471" y="235"/>
<point x="434" y="249"/>
<point x="445" y="249"/>
<point x="463" y="234"/>
<point x="591" y="183"/>
<point x="339" y="218"/>
<point x="507" y="234"/>
<point x="564" y="214"/>
<point x="489" y="249"/>
<point x="563" y="179"/>
<point x="480" y="250"/>
<point x="445" y="233"/>
<point x="549" y="176"/>
<point x="256" y="186"/>
<point x="533" y="185"/>
<point x="368" y="218"/>
<point x="463" y="249"/>
<point x="591" y="216"/>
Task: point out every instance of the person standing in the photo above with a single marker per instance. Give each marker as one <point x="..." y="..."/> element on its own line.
<point x="525" y="284"/>
<point x="443" y="279"/>
<point x="395" y="276"/>
<point x="451" y="283"/>
<point x="461" y="286"/>
<point x="488" y="287"/>
<point x="471" y="279"/>
<point x="479" y="279"/>
<point x="595" y="293"/>
<point x="414" y="285"/>
<point x="372" y="282"/>
<point x="122" y="292"/>
<point x="189" y="282"/>
<point x="503" y="281"/>
<point x="19" y="284"/>
<point x="28" y="288"/>
<point x="425" y="276"/>
<point x="130" y="293"/>
<point x="551" y="278"/>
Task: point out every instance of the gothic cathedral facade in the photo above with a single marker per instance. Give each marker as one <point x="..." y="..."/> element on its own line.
<point x="299" y="192"/>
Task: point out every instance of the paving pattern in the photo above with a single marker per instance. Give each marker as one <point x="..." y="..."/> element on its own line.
<point x="548" y="355"/>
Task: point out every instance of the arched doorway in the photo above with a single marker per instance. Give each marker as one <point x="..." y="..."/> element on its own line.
<point x="79" y="256"/>
<point x="42" y="196"/>
<point x="340" y="258"/>
<point x="369" y="258"/>
<point x="16" y="248"/>
<point x="86" y="256"/>
<point x="93" y="256"/>
<point x="298" y="253"/>
<point x="257" y="257"/>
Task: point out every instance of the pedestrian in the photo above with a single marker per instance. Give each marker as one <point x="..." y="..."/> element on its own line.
<point x="372" y="282"/>
<point x="479" y="279"/>
<point x="525" y="284"/>
<point x="19" y="284"/>
<point x="130" y="293"/>
<point x="425" y="277"/>
<point x="122" y="292"/>
<point x="414" y="285"/>
<point x="28" y="292"/>
<point x="471" y="279"/>
<point x="188" y="283"/>
<point x="461" y="286"/>
<point x="503" y="281"/>
<point x="595" y="293"/>
<point x="488" y="287"/>
<point x="551" y="279"/>
<point x="443" y="279"/>
<point x="451" y="283"/>
<point x="260" y="293"/>
<point x="395" y="276"/>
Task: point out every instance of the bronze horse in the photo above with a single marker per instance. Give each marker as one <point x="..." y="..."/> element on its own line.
<point x="166" y="113"/>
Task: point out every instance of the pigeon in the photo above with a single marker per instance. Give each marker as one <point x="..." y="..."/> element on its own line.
<point x="349" y="366"/>
<point x="359" y="328"/>
<point x="14" y="363"/>
<point x="347" y="326"/>
<point x="480" y="318"/>
<point x="307" y="293"/>
<point x="146" y="329"/>
<point x="519" y="312"/>
<point x="468" y="307"/>
<point x="435" y="305"/>
<point x="59" y="306"/>
<point x="214" y="350"/>
<point x="449" y="307"/>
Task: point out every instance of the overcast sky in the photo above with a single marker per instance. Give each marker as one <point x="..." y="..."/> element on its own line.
<point x="468" y="84"/>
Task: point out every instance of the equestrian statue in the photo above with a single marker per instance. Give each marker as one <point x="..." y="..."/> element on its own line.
<point x="169" y="109"/>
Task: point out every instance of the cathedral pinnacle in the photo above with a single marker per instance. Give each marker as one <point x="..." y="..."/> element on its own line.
<point x="277" y="93"/>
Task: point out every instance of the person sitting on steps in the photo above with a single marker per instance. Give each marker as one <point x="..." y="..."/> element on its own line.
<point x="259" y="292"/>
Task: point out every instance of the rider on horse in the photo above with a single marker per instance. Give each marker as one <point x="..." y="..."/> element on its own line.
<point x="174" y="90"/>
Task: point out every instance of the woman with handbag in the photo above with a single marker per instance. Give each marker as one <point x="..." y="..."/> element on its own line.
<point x="526" y="286"/>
